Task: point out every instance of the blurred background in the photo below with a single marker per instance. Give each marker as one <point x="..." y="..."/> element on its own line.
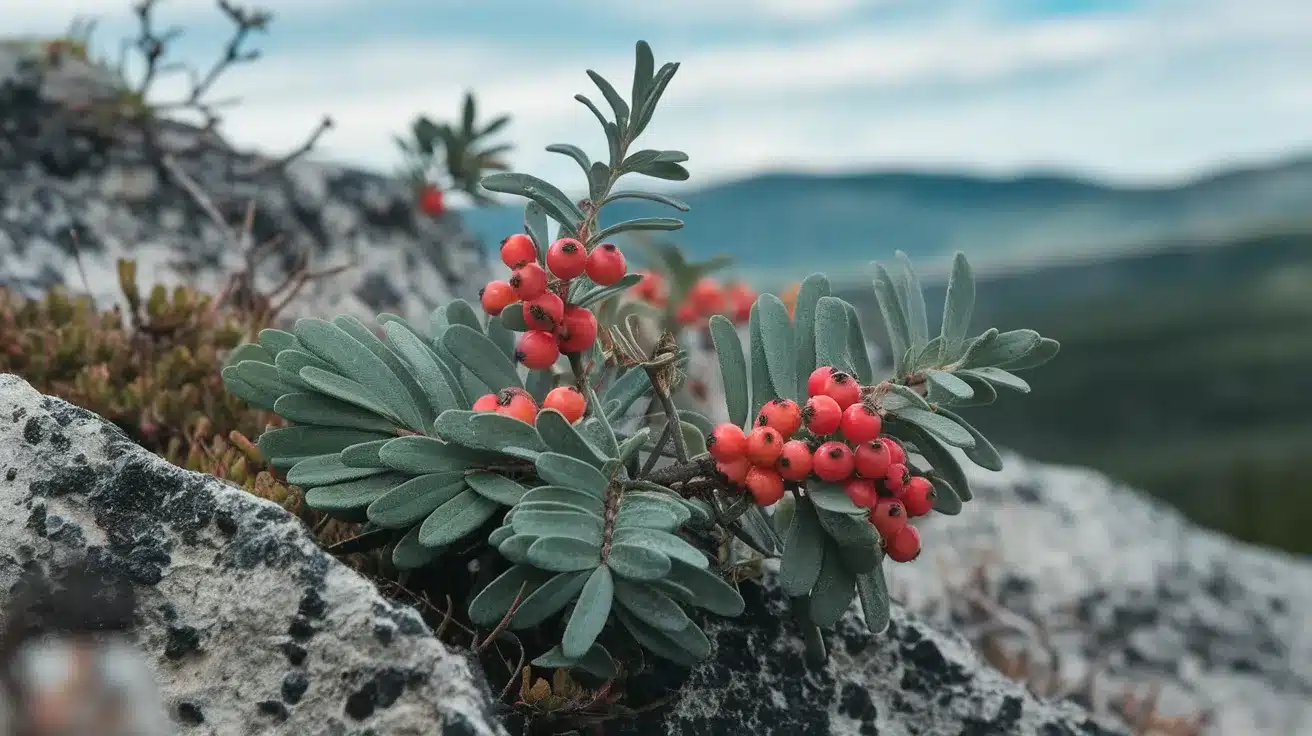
<point x="1131" y="177"/>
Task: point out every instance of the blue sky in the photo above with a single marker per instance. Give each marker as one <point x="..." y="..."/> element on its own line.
<point x="1122" y="90"/>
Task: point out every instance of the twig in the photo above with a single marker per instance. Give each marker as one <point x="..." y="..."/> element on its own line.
<point x="505" y="620"/>
<point x="81" y="272"/>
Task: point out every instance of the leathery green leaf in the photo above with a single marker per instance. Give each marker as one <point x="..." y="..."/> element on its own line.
<point x="709" y="591"/>
<point x="496" y="487"/>
<point x="325" y="411"/>
<point x="456" y="518"/>
<point x="651" y="606"/>
<point x="564" y="554"/>
<point x="413" y="500"/>
<point x="548" y="599"/>
<point x="733" y="368"/>
<point x="563" y="470"/>
<point x="776" y="331"/>
<point x="637" y="563"/>
<point x="481" y="357"/>
<point x="804" y="546"/>
<point x="833" y="591"/>
<point x="590" y="614"/>
<point x="493" y="602"/>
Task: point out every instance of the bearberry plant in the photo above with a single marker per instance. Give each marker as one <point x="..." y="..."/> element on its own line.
<point x="467" y="432"/>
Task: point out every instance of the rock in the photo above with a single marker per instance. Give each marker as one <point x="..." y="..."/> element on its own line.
<point x="249" y="626"/>
<point x="72" y="181"/>
<point x="1126" y="583"/>
<point x="911" y="680"/>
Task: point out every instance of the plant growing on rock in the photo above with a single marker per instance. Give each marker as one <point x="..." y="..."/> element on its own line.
<point x="463" y="434"/>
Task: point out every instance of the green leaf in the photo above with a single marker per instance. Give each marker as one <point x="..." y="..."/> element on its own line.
<point x="1045" y="351"/>
<point x="417" y="454"/>
<point x="663" y="170"/>
<point x="617" y="104"/>
<point x="637" y="224"/>
<point x="831" y="497"/>
<point x="946" y="499"/>
<point x="289" y="364"/>
<point x="554" y="506"/>
<point x="983" y="454"/>
<point x="355" y="494"/>
<point x="660" y="82"/>
<point x="364" y="455"/>
<point x="873" y="592"/>
<point x="912" y="298"/>
<point x="500" y="534"/>
<point x="939" y="426"/>
<point x="573" y="152"/>
<point x="598" y="178"/>
<point x="558" y="494"/>
<point x="481" y="357"/>
<point x="561" y="437"/>
<point x="539" y="384"/>
<point x="302" y="442"/>
<point x="456" y="518"/>
<point x="564" y="554"/>
<point x="950" y="387"/>
<point x="651" y="515"/>
<point x="349" y="391"/>
<point x="553" y="201"/>
<point x="245" y="391"/>
<point x="548" y="599"/>
<point x="628" y="388"/>
<point x="265" y="378"/>
<point x="417" y="397"/>
<point x="643" y="73"/>
<point x="999" y="377"/>
<point x="493" y="602"/>
<point x="776" y="329"/>
<point x="804" y="547"/>
<point x="733" y="368"/>
<point x="590" y="614"/>
<point x="275" y="341"/>
<point x="657" y="197"/>
<point x="325" y="470"/>
<point x="413" y="500"/>
<point x="848" y="530"/>
<point x="831" y="334"/>
<point x="629" y="448"/>
<point x="535" y="226"/>
<point x="833" y="591"/>
<point x="675" y="648"/>
<point x="638" y="563"/>
<point x="763" y="389"/>
<point x="496" y="487"/>
<point x="985" y="394"/>
<point x="943" y="463"/>
<point x="563" y="470"/>
<point x="928" y="356"/>
<point x="976" y="344"/>
<point x="813" y="287"/>
<point x="709" y="591"/>
<point x="958" y="306"/>
<point x="424" y="366"/>
<point x="572" y="524"/>
<point x="409" y="554"/>
<point x="357" y="362"/>
<point x="1007" y="347"/>
<point x="249" y="351"/>
<point x="324" y="411"/>
<point x="492" y="432"/>
<point x="502" y="337"/>
<point x="515" y="547"/>
<point x="895" y="319"/>
<point x="650" y="606"/>
<point x="693" y="438"/>
<point x="597" y="662"/>
<point x="667" y="544"/>
<point x="605" y="292"/>
<point x="857" y="349"/>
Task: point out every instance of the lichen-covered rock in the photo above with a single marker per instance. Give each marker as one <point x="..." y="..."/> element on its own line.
<point x="73" y="178"/>
<point x="1127" y="586"/>
<point x="912" y="680"/>
<point x="251" y="628"/>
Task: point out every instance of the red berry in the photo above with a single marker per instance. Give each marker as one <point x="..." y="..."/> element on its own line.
<point x="734" y="470"/>
<point x="430" y="201"/>
<point x="815" y="383"/>
<point x="567" y="259"/>
<point x="833" y="462"/>
<point x="888" y="516"/>
<point x="842" y="388"/>
<point x="496" y="296"/>
<point x="741" y="297"/>
<point x="918" y="496"/>
<point x="651" y="288"/>
<point x="518" y="250"/>
<point x="822" y="415"/>
<point x="578" y="330"/>
<point x="895" y="452"/>
<point x="764" y="446"/>
<point x="706" y="296"/>
<point x="783" y="415"/>
<point x="687" y="314"/>
<point x="486" y="402"/>
<point x="896" y="478"/>
<point x="606" y="264"/>
<point x="567" y="400"/>
<point x="904" y="547"/>
<point x="537" y="349"/>
<point x="529" y="281"/>
<point x="518" y="404"/>
<point x="794" y="460"/>
<point x="765" y="485"/>
<point x="872" y="460"/>
<point x="861" y="491"/>
<point x="545" y="312"/>
<point x="860" y="424"/>
<point x="727" y="442"/>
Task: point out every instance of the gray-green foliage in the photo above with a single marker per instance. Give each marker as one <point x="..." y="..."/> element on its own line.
<point x="831" y="553"/>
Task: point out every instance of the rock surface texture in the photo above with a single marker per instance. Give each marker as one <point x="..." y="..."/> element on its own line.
<point x="71" y="176"/>
<point x="250" y="627"/>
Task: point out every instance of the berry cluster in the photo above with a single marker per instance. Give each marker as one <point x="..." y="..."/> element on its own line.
<point x="518" y="404"/>
<point x="554" y="327"/>
<point x="706" y="298"/>
<point x="835" y="437"/>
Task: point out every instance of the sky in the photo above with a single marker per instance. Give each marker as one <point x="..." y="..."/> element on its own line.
<point x="1128" y="91"/>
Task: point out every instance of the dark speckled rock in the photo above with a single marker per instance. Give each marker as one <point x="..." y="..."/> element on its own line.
<point x="250" y="627"/>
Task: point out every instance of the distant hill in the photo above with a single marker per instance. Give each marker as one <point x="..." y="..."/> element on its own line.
<point x="777" y="225"/>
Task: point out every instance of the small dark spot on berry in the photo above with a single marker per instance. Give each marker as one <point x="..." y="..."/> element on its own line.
<point x="481" y="292"/>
